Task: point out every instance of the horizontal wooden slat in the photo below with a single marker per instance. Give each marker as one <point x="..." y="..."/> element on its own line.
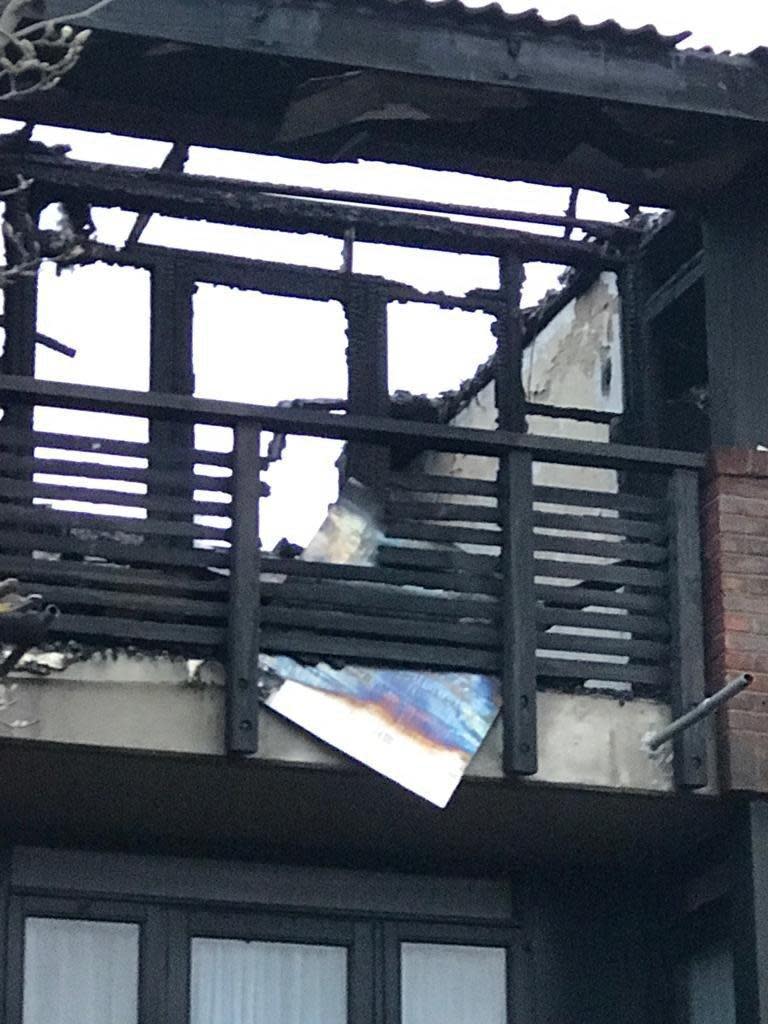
<point x="105" y="496"/>
<point x="444" y="533"/>
<point x="645" y="649"/>
<point x="477" y="571"/>
<point x="400" y="511"/>
<point x="362" y="625"/>
<point x="43" y="517"/>
<point x="384" y="574"/>
<point x="570" y="413"/>
<point x="638" y="625"/>
<point x="648" y="554"/>
<point x="119" y="474"/>
<point x="368" y="429"/>
<point x="14" y="466"/>
<point x="114" y="551"/>
<point x="127" y="630"/>
<point x="42" y="571"/>
<point x="649" y="675"/>
<point x="649" y="578"/>
<point x="557" y="595"/>
<point x="373" y="652"/>
<point x="620" y="501"/>
<point x="163" y="607"/>
<point x="583" y="523"/>
<point x="11" y="437"/>
<point x="432" y="484"/>
<point x="384" y="600"/>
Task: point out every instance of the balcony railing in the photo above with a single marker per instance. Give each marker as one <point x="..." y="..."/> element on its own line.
<point x="559" y="563"/>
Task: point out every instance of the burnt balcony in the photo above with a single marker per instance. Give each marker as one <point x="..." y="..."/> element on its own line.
<point x="551" y="564"/>
<point x="543" y="562"/>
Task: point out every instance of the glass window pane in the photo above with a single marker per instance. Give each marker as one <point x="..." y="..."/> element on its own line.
<point x="80" y="972"/>
<point x="239" y="982"/>
<point x="711" y="986"/>
<point x="453" y="984"/>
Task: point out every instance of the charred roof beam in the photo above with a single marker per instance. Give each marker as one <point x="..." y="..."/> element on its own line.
<point x="236" y="202"/>
<point x="449" y="41"/>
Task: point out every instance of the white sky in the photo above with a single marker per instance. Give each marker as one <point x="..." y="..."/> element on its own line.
<point x="258" y="348"/>
<point x="738" y="26"/>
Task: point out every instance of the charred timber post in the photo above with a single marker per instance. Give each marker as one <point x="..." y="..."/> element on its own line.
<point x="20" y="326"/>
<point x="171" y="443"/>
<point x="510" y="396"/>
<point x="686" y="622"/>
<point x="365" y="306"/>
<point x="518" y="614"/>
<point x="518" y="603"/>
<point x="245" y="593"/>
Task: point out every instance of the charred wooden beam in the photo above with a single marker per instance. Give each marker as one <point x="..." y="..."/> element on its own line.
<point x="306" y="422"/>
<point x="235" y="202"/>
<point x="293" y="281"/>
<point x="684" y="278"/>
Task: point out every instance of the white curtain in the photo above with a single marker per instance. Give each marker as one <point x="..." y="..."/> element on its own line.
<point x="453" y="984"/>
<point x="238" y="982"/>
<point x="80" y="972"/>
<point x="710" y="982"/>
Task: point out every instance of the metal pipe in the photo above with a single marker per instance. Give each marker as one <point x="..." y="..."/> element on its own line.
<point x="706" y="707"/>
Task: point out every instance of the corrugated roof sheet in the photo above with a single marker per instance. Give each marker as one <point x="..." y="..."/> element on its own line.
<point x="532" y="21"/>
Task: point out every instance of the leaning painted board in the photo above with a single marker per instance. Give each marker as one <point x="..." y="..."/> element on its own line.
<point x="420" y="729"/>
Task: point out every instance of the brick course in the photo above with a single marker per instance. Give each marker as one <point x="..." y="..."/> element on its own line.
<point x="735" y="550"/>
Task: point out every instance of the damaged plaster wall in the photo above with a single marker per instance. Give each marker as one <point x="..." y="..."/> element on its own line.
<point x="576" y="362"/>
<point x="169" y="705"/>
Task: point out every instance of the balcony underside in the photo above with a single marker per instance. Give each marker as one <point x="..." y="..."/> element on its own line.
<point x="66" y="796"/>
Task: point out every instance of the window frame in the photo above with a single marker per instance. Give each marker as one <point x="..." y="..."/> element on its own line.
<point x="518" y="990"/>
<point x="152" y="945"/>
<point x="174" y="900"/>
<point x="259" y="926"/>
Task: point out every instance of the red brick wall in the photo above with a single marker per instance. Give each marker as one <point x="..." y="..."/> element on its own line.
<point x="735" y="549"/>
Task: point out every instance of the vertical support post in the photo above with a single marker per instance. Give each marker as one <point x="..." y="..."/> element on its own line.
<point x="368" y="387"/>
<point x="687" y="626"/>
<point x="641" y="422"/>
<point x="736" y="287"/>
<point x="510" y="394"/>
<point x="171" y="372"/>
<point x="515" y="491"/>
<point x="20" y="326"/>
<point x="518" y="613"/>
<point x="244" y="593"/>
<point x="750" y="915"/>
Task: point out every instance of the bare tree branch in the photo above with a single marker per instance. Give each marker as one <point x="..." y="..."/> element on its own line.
<point x="34" y="58"/>
<point x="29" y="30"/>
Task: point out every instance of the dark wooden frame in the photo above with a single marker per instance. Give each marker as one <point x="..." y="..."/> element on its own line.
<point x="520" y="997"/>
<point x="152" y="945"/>
<point x="174" y="901"/>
